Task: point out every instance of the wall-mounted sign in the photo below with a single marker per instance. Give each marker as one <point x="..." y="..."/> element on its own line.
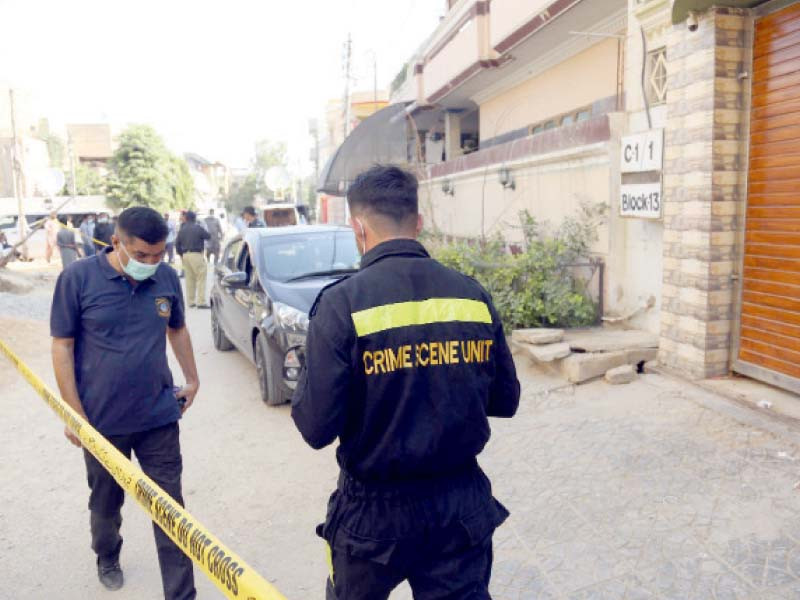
<point x="642" y="200"/>
<point x="642" y="151"/>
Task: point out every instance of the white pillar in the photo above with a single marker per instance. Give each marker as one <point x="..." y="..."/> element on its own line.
<point x="452" y="135"/>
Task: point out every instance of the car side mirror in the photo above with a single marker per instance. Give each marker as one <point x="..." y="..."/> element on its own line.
<point x="235" y="280"/>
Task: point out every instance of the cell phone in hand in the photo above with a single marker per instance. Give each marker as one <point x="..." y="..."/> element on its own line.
<point x="175" y="390"/>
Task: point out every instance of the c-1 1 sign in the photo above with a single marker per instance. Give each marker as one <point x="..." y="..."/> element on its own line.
<point x="642" y="151"/>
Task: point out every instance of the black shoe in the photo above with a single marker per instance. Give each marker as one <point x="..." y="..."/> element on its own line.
<point x="192" y="305"/>
<point x="110" y="574"/>
<point x="203" y="306"/>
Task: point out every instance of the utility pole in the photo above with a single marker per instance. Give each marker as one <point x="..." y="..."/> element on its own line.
<point x="16" y="176"/>
<point x="348" y="51"/>
<point x="71" y="157"/>
<point x="374" y="82"/>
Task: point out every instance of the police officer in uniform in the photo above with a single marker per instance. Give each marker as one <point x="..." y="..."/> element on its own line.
<point x="405" y="361"/>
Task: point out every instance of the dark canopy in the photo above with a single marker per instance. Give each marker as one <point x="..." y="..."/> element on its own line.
<point x="380" y="138"/>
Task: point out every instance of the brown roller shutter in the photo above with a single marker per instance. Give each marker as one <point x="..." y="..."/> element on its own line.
<point x="769" y="338"/>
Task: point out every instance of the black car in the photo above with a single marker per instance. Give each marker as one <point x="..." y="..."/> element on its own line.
<point x="263" y="289"/>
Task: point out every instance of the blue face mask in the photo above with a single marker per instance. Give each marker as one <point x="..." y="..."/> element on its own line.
<point x="137" y="270"/>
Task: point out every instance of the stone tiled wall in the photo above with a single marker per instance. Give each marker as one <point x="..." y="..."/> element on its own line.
<point x="704" y="189"/>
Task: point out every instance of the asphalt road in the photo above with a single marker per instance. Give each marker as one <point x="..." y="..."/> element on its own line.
<point x="656" y="489"/>
<point x="248" y="476"/>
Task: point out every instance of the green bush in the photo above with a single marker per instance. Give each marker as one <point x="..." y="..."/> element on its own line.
<point x="537" y="287"/>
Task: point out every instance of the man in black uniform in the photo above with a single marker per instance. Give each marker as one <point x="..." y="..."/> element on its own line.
<point x="405" y="360"/>
<point x="103" y="232"/>
<point x="251" y="218"/>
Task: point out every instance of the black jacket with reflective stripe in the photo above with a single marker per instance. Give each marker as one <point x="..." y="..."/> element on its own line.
<point x="405" y="360"/>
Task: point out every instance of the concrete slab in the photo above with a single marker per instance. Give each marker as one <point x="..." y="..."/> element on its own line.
<point x="548" y="352"/>
<point x="577" y="368"/>
<point x="619" y="375"/>
<point x="600" y="339"/>
<point x="537" y="336"/>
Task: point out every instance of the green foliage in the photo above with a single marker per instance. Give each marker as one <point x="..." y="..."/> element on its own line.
<point x="242" y="195"/>
<point x="267" y="154"/>
<point x="56" y="148"/>
<point x="88" y="182"/>
<point x="181" y="182"/>
<point x="536" y="288"/>
<point x="400" y="78"/>
<point x="144" y="172"/>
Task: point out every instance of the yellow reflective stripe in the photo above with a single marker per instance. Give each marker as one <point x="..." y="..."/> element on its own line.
<point x="329" y="559"/>
<point x="405" y="314"/>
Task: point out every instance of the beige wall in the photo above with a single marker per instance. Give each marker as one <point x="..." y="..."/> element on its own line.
<point x="549" y="192"/>
<point x="459" y="54"/>
<point x="549" y="187"/>
<point x="576" y="82"/>
<point x="508" y="15"/>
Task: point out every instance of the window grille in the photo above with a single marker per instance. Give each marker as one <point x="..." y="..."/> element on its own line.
<point x="656" y="76"/>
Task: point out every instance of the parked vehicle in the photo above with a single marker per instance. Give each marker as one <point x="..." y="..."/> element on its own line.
<point x="282" y="215"/>
<point x="264" y="287"/>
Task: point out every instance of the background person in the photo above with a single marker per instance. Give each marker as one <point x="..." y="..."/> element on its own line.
<point x="251" y="218"/>
<point x="239" y="223"/>
<point x="214" y="228"/>
<point x="67" y="244"/>
<point x="51" y="232"/>
<point x="190" y="244"/>
<point x="113" y="371"/>
<point x="170" y="255"/>
<point x="405" y="362"/>
<point x="87" y="233"/>
<point x="103" y="231"/>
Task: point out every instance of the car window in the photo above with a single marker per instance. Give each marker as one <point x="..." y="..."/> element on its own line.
<point x="244" y="263"/>
<point x="289" y="256"/>
<point x="231" y="254"/>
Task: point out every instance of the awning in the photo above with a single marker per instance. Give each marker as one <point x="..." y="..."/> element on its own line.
<point x="681" y="8"/>
<point x="380" y="138"/>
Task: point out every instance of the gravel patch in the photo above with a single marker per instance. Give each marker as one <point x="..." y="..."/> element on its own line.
<point x="37" y="294"/>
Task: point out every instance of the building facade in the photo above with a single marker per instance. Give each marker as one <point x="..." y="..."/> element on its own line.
<point x="212" y="181"/>
<point x="682" y="118"/>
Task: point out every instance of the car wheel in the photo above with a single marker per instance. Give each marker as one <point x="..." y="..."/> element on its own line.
<point x="269" y="373"/>
<point x="221" y="341"/>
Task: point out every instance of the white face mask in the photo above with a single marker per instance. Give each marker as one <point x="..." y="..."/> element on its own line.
<point x="363" y="236"/>
<point x="138" y="270"/>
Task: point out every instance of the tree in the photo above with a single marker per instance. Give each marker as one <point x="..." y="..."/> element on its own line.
<point x="267" y="154"/>
<point x="144" y="172"/>
<point x="88" y="182"/>
<point x="56" y="149"/>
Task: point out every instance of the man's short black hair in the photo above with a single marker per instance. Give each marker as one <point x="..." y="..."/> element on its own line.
<point x="191" y="216"/>
<point x="143" y="223"/>
<point x="250" y="210"/>
<point x="385" y="190"/>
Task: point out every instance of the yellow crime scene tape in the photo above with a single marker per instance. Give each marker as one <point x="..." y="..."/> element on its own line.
<point x="77" y="231"/>
<point x="235" y="578"/>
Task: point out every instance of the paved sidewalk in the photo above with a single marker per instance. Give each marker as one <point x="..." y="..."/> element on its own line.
<point x="639" y="491"/>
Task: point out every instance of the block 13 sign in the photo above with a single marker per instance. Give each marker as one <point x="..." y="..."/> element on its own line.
<point x="641" y="200"/>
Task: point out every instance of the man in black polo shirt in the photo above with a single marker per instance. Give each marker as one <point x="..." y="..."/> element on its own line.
<point x="112" y="314"/>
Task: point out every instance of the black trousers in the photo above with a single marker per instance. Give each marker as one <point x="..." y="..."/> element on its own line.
<point x="159" y="454"/>
<point x="438" y="538"/>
